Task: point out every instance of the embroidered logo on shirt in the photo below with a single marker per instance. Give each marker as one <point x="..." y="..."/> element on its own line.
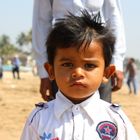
<point x="107" y="130"/>
<point x="48" y="137"/>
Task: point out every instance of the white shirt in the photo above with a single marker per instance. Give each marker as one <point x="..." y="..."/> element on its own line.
<point x="44" y="16"/>
<point x="93" y="119"/>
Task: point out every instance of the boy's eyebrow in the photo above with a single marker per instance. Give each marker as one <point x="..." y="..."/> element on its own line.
<point x="65" y="59"/>
<point x="72" y="59"/>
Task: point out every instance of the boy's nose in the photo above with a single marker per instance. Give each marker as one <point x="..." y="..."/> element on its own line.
<point x="77" y="73"/>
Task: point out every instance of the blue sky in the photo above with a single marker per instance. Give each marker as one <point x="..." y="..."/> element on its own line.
<point x="131" y="10"/>
<point x="16" y="17"/>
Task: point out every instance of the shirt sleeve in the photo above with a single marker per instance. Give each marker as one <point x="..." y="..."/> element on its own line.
<point x="113" y="17"/>
<point x="30" y="128"/>
<point x="28" y="133"/>
<point x="130" y="130"/>
<point x="41" y="24"/>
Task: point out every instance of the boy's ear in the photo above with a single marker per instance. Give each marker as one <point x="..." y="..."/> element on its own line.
<point x="50" y="70"/>
<point x="108" y="72"/>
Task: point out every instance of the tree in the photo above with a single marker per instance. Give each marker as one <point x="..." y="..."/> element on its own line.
<point x="29" y="37"/>
<point x="7" y="49"/>
<point x="21" y="39"/>
<point x="4" y="40"/>
<point x="24" y="40"/>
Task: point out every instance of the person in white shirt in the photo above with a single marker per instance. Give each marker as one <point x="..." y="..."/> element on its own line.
<point x="45" y="14"/>
<point x="79" y="51"/>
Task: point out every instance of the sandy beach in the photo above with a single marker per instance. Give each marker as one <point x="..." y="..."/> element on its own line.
<point x="17" y="99"/>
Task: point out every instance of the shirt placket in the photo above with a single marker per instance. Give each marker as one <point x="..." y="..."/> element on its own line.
<point x="77" y="123"/>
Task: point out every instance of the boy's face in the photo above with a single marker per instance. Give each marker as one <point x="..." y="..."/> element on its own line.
<point x="78" y="74"/>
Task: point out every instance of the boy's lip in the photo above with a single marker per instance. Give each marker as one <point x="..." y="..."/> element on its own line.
<point x="78" y="84"/>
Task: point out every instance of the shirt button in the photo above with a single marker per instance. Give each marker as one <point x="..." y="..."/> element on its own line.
<point x="77" y="108"/>
<point x="77" y="137"/>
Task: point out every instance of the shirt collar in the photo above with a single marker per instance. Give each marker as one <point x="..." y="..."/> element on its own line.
<point x="61" y="104"/>
<point x="90" y="106"/>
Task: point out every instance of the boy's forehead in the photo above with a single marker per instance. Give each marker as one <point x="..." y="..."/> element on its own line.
<point x="94" y="49"/>
<point x="83" y="47"/>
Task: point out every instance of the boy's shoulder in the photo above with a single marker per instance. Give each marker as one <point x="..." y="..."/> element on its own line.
<point x="111" y="106"/>
<point x="42" y="105"/>
<point x="115" y="107"/>
<point x="41" y="109"/>
<point x="114" y="110"/>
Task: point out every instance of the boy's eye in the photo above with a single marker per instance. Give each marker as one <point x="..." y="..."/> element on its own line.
<point x="89" y="66"/>
<point x="67" y="65"/>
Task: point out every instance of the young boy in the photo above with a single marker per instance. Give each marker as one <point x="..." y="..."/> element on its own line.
<point x="79" y="53"/>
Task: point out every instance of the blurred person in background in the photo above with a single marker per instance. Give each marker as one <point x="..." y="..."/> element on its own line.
<point x="131" y="69"/>
<point x="16" y="67"/>
<point x="1" y="68"/>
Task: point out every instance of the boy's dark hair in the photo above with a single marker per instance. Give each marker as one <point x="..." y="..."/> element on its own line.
<point x="74" y="31"/>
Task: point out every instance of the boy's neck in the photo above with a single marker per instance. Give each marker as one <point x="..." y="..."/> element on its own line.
<point x="77" y="101"/>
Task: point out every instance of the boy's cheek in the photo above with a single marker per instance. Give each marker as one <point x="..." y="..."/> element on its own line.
<point x="63" y="77"/>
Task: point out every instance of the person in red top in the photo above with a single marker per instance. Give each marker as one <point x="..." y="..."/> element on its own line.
<point x="131" y="68"/>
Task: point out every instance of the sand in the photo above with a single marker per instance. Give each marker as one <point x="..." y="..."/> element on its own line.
<point x="17" y="99"/>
